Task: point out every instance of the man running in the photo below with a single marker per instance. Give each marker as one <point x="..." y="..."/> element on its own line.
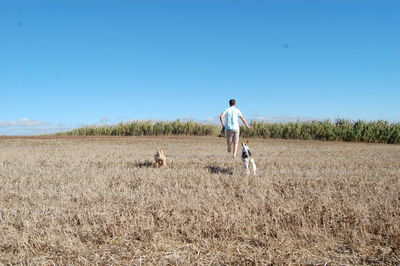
<point x="230" y="123"/>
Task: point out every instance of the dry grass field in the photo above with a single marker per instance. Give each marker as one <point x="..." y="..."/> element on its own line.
<point x="98" y="200"/>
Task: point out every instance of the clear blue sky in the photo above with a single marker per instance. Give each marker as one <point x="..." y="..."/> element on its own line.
<point x="64" y="63"/>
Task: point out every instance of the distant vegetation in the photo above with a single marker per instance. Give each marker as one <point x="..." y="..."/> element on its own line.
<point x="345" y="130"/>
<point x="147" y="128"/>
<point x="339" y="130"/>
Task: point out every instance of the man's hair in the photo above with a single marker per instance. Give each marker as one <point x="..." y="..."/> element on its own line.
<point x="232" y="102"/>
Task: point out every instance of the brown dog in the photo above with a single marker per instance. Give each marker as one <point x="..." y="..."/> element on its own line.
<point x="159" y="158"/>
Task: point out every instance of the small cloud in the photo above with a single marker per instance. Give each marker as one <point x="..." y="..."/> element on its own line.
<point x="26" y="126"/>
<point x="122" y="118"/>
<point x="281" y="118"/>
<point x="103" y="121"/>
<point x="258" y="117"/>
<point x="187" y="119"/>
<point x="211" y="120"/>
<point x="23" y="122"/>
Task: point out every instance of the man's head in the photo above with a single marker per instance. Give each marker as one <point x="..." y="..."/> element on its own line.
<point x="232" y="102"/>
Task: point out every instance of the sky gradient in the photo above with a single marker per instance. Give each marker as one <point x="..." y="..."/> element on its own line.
<point x="69" y="63"/>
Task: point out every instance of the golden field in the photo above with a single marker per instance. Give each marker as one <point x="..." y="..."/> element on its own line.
<point x="98" y="200"/>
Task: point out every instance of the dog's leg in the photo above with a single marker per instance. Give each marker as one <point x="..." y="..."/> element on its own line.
<point x="254" y="166"/>
<point x="246" y="165"/>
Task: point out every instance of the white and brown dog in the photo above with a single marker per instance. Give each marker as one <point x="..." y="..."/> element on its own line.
<point x="159" y="158"/>
<point x="247" y="158"/>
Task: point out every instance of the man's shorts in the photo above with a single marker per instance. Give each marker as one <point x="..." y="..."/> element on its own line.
<point x="232" y="135"/>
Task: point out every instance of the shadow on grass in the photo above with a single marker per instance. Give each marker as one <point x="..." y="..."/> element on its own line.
<point x="146" y="164"/>
<point x="214" y="169"/>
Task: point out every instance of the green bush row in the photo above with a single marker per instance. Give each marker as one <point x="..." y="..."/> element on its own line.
<point x="341" y="129"/>
<point x="146" y="128"/>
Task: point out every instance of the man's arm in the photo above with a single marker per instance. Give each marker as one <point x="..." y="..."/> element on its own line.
<point x="221" y="118"/>
<point x="244" y="121"/>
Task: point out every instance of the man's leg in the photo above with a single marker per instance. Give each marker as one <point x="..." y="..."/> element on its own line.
<point x="229" y="138"/>
<point x="235" y="141"/>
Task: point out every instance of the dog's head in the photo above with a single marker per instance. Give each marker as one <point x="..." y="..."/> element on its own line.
<point x="160" y="151"/>
<point x="245" y="145"/>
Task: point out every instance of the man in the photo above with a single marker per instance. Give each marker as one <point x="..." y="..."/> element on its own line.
<point x="230" y="122"/>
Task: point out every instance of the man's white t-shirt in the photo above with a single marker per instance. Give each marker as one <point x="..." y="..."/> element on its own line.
<point x="232" y="115"/>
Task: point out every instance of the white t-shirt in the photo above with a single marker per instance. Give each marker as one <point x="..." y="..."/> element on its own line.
<point x="232" y="115"/>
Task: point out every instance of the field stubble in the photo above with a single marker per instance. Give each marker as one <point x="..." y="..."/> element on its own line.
<point x="99" y="200"/>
